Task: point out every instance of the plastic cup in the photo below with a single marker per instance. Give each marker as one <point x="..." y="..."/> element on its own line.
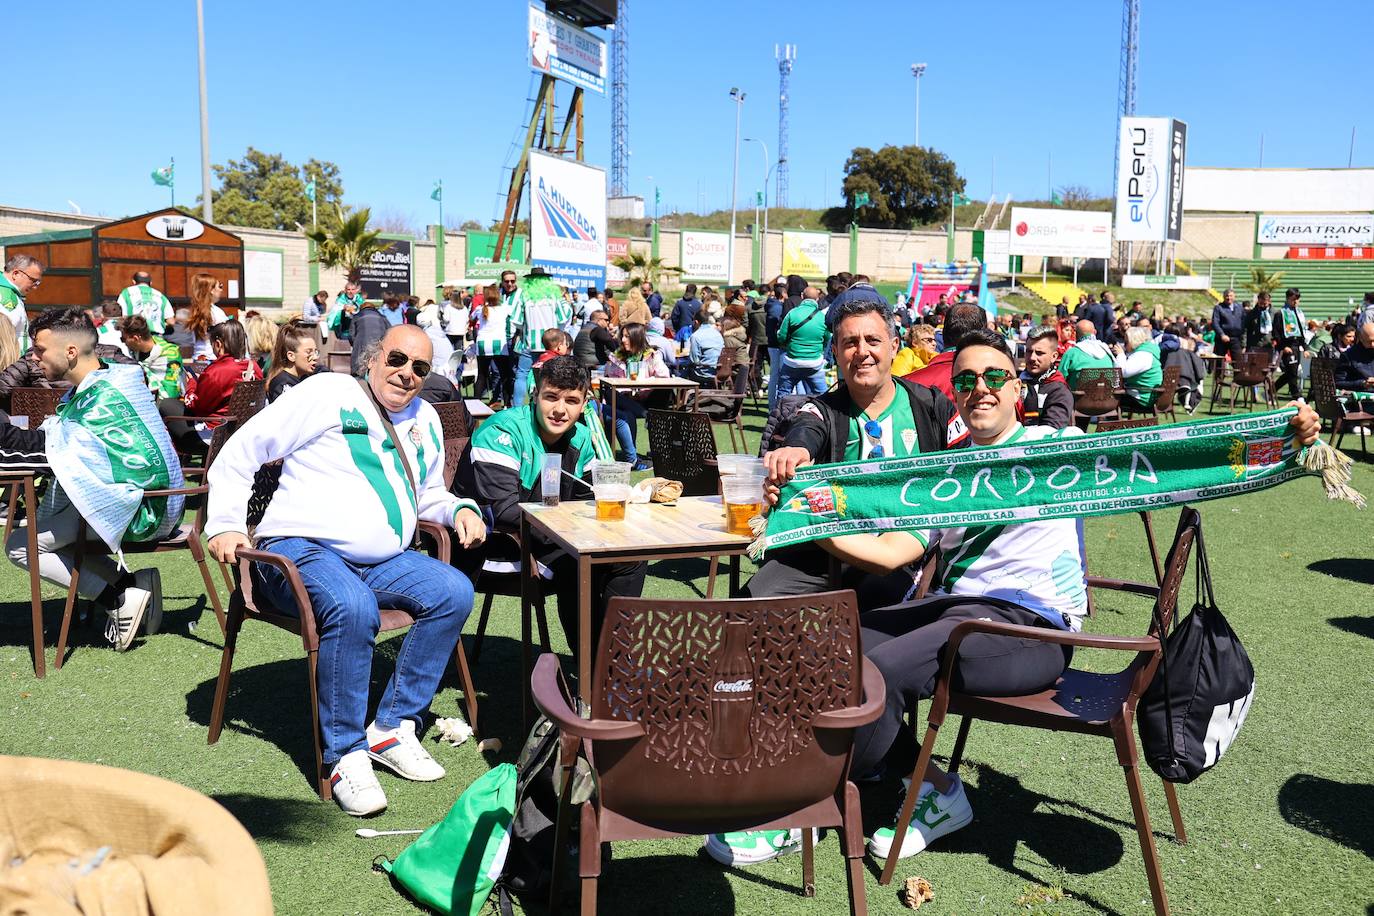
<point x="550" y="482"/>
<point x="743" y="498"/>
<point x="611" y="489"/>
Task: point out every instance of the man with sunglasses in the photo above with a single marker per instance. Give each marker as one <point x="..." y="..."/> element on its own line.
<point x="22" y="275"/>
<point x="362" y="464"/>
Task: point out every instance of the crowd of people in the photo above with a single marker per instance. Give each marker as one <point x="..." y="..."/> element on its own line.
<point x="849" y="377"/>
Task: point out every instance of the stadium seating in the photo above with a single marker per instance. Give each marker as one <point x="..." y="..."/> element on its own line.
<point x="1327" y="286"/>
<point x="1054" y="290"/>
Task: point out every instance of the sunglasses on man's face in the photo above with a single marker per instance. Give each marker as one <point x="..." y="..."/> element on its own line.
<point x="396" y="359"/>
<point x="993" y="378"/>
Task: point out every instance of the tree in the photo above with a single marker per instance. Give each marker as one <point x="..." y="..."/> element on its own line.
<point x="906" y="186"/>
<point x="351" y="245"/>
<point x="467" y="225"/>
<point x="1262" y="281"/>
<point x="1078" y="197"/>
<point x="638" y="265"/>
<point x="264" y="191"/>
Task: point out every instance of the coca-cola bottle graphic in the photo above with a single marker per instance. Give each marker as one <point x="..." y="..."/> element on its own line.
<point x="732" y="695"/>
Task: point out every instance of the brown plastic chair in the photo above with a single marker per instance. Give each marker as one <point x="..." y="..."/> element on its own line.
<point x="720" y="403"/>
<point x="1097" y="395"/>
<point x="1080" y="701"/>
<point x="1325" y="399"/>
<point x="1163" y="403"/>
<point x="1254" y="369"/>
<point x="494" y="583"/>
<point x="35" y="403"/>
<point x="454" y="419"/>
<point x="245" y="604"/>
<point x="649" y="738"/>
<point x="684" y="448"/>
<point x="339" y="361"/>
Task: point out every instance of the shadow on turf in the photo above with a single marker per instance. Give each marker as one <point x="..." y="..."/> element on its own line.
<point x="282" y="820"/>
<point x="1354" y="569"/>
<point x="1360" y="626"/>
<point x="1339" y="811"/>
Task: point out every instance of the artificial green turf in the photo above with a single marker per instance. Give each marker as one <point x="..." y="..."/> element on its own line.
<point x="1284" y="824"/>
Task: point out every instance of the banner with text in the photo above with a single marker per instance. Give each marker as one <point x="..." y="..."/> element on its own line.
<point x="388" y="272"/>
<point x="568" y="220"/>
<point x="561" y="49"/>
<point x="1149" y="179"/>
<point x="616" y="249"/>
<point x="1345" y="230"/>
<point x="1061" y="233"/>
<point x="806" y="254"/>
<point x="480" y="262"/>
<point x="704" y="255"/>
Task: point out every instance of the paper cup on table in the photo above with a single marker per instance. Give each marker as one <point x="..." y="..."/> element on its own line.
<point x="611" y="488"/>
<point x="743" y="497"/>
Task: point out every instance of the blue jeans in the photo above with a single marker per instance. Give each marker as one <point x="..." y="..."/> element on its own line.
<point x="774" y="375"/>
<point x="345" y="599"/>
<point x="802" y="381"/>
<point x="524" y="362"/>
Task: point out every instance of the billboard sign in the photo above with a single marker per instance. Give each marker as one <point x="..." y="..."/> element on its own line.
<point x="1149" y="180"/>
<point x="616" y="248"/>
<point x="568" y="220"/>
<point x="561" y="49"/>
<point x="479" y="262"/>
<point x="1344" y="230"/>
<point x="997" y="251"/>
<point x="388" y="272"/>
<point x="1178" y="149"/>
<point x="704" y="255"/>
<point x="806" y="254"/>
<point x="1060" y="233"/>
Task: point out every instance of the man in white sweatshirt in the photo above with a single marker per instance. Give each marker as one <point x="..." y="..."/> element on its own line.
<point x="345" y="512"/>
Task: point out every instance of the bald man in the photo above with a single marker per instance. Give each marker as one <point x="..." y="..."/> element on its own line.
<point x="1087" y="353"/>
<point x="351" y="495"/>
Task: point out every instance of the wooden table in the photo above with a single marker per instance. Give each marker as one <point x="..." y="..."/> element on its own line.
<point x="20" y="484"/>
<point x="672" y="383"/>
<point x="478" y="410"/>
<point x="694" y="527"/>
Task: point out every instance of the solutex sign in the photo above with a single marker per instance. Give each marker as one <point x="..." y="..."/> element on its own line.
<point x="568" y="220"/>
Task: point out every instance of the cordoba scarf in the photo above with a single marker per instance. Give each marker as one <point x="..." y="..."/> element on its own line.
<point x="1103" y="474"/>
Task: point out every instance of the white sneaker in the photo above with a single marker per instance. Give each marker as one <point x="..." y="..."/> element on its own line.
<point x="399" y="751"/>
<point x="152" y="621"/>
<point x="355" y="786"/>
<point x="934" y="816"/>
<point x="122" y="626"/>
<point x="750" y="847"/>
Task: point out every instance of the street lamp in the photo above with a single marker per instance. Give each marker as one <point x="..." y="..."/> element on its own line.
<point x="916" y="71"/>
<point x="767" y="176"/>
<point x="738" y="95"/>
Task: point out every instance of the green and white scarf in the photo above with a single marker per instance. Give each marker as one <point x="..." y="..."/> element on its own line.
<point x="106" y="445"/>
<point x="1103" y="474"/>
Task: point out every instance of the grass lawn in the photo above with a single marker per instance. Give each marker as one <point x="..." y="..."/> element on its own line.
<point x="1284" y="824"/>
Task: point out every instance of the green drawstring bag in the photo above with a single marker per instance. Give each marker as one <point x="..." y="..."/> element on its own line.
<point x="452" y="866"/>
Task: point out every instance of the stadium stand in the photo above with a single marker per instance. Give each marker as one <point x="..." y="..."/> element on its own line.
<point x="1327" y="286"/>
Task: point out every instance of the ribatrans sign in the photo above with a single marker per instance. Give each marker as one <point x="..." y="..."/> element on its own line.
<point x="561" y="49"/>
<point x="1333" y="229"/>
<point x="705" y="255"/>
<point x="1149" y="195"/>
<point x="568" y="220"/>
<point x="1061" y="233"/>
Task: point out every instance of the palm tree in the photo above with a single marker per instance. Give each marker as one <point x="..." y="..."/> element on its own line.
<point x="1262" y="281"/>
<point x="351" y="246"/>
<point x="637" y="265"/>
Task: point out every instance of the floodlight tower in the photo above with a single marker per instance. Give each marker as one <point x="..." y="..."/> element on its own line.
<point x="785" y="55"/>
<point x="620" y="102"/>
<point x="918" y="70"/>
<point x="1125" y="87"/>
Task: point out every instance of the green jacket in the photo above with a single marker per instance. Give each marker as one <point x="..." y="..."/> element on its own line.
<point x="802" y="337"/>
<point x="1142" y="385"/>
<point x="1088" y="353"/>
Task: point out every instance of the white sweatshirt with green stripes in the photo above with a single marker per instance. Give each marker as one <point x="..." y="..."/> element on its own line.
<point x="342" y="483"/>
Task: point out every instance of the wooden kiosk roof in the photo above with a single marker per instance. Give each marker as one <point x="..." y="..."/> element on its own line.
<point x="85" y="267"/>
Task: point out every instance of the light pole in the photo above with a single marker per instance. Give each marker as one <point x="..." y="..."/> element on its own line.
<point x="738" y="95"/>
<point x="206" y="208"/>
<point x="767" y="176"/>
<point x="916" y="71"/>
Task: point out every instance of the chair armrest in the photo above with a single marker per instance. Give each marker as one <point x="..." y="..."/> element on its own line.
<point x="247" y="556"/>
<point x="443" y="545"/>
<point x="191" y="419"/>
<point x="551" y="701"/>
<point x="178" y="491"/>
<point x="1045" y="634"/>
<point x="1121" y="585"/>
<point x="875" y="698"/>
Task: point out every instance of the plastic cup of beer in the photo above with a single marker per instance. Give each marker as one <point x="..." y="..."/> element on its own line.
<point x="743" y="497"/>
<point x="611" y="489"/>
<point x="731" y="465"/>
<point x="550" y="484"/>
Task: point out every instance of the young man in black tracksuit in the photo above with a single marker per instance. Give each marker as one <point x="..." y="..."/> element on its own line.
<point x="870" y="415"/>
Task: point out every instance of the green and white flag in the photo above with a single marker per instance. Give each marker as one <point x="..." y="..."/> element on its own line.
<point x="310" y="190"/>
<point x="438" y="192"/>
<point x="107" y="445"/>
<point x="1104" y="474"/>
<point x="164" y="176"/>
<point x="861" y="199"/>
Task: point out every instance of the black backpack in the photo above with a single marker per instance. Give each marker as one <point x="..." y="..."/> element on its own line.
<point x="527" y="870"/>
<point x="1201" y="692"/>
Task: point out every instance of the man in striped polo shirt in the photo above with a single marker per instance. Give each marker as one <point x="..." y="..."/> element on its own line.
<point x="141" y="299"/>
<point x="535" y="308"/>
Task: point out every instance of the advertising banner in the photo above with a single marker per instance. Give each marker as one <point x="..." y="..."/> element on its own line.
<point x="1178" y="148"/>
<point x="561" y="49"/>
<point x="806" y="254"/>
<point x="262" y="274"/>
<point x="1142" y="180"/>
<point x="1334" y="230"/>
<point x="389" y="272"/>
<point x="1061" y="233"/>
<point x="1168" y="281"/>
<point x="704" y="255"/>
<point x="616" y="249"/>
<point x="997" y="251"/>
<point x="568" y="220"/>
<point x="480" y="261"/>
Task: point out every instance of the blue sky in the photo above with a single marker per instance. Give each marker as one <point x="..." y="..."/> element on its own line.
<point x="402" y="94"/>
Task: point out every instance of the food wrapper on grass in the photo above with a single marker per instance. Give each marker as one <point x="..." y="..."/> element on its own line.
<point x="917" y="891"/>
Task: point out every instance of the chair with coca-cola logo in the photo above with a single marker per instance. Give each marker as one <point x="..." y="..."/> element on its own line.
<point x="713" y="717"/>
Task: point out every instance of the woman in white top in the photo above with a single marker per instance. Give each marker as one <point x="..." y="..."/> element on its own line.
<point x="205" y="292"/>
<point x="635" y="359"/>
<point x="495" y="365"/>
